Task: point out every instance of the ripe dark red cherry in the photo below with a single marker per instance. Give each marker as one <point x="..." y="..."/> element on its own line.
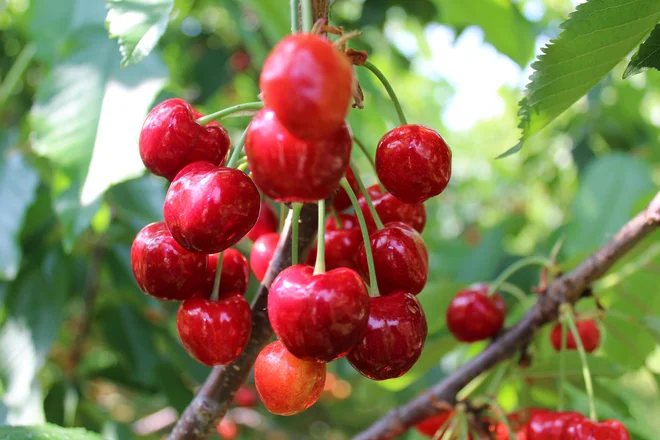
<point x="432" y="425"/>
<point x="215" y="332"/>
<point x="413" y="162"/>
<point x="394" y="337"/>
<point x="473" y="316"/>
<point x="288" y="169"/>
<point x="318" y="317"/>
<point x="309" y="68"/>
<point x="400" y="259"/>
<point x="266" y="223"/>
<point x="287" y="385"/>
<point x="261" y="254"/>
<point x="235" y="275"/>
<point x="341" y="200"/>
<point x="585" y="429"/>
<point x="391" y="209"/>
<point x="162" y="268"/>
<point x="341" y="244"/>
<point x="208" y="208"/>
<point x="171" y="139"/>
<point x="589" y="335"/>
<point x="549" y="425"/>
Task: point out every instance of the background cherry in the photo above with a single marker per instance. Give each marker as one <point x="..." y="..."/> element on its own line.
<point x="162" y="268"/>
<point x="430" y="426"/>
<point x="208" y="208"/>
<point x="391" y="209"/>
<point x="341" y="244"/>
<point x="586" y="429"/>
<point x="548" y="425"/>
<point x="227" y="429"/>
<point x="267" y="222"/>
<point x="261" y="253"/>
<point x="589" y="335"/>
<point x="171" y="139"/>
<point x="246" y="397"/>
<point x="474" y="316"/>
<point x="235" y="275"/>
<point x="287" y="385"/>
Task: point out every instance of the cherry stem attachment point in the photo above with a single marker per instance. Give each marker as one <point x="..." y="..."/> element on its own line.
<point x="367" y="197"/>
<point x="237" y="151"/>
<point x="295" y="223"/>
<point x="246" y="107"/>
<point x="215" y="293"/>
<point x="499" y="413"/>
<point x="293" y="7"/>
<point x="529" y="261"/>
<point x="390" y="91"/>
<point x="319" y="267"/>
<point x="338" y="223"/>
<point x="373" y="282"/>
<point x="307" y="19"/>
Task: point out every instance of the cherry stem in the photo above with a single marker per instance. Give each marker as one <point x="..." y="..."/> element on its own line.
<point x="282" y="219"/>
<point x="295" y="223"/>
<point x="529" y="261"/>
<point x="307" y="20"/>
<point x="567" y="314"/>
<point x="449" y="433"/>
<point x="497" y="378"/>
<point x="562" y="366"/>
<point x="338" y="223"/>
<point x="499" y="413"/>
<point x="248" y="106"/>
<point x="373" y="282"/>
<point x="390" y="91"/>
<point x="293" y="7"/>
<point x="369" y="158"/>
<point x="236" y="152"/>
<point x="215" y="294"/>
<point x="319" y="267"/>
<point x="442" y="428"/>
<point x="462" y="421"/>
<point x="367" y="198"/>
<point x="517" y="293"/>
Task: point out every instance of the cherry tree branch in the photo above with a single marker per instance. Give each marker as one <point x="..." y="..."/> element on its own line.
<point x="567" y="288"/>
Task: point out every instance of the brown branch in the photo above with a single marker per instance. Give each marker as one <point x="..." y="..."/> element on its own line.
<point x="567" y="288"/>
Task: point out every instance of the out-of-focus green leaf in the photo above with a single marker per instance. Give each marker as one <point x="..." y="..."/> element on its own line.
<point x="549" y="368"/>
<point x="647" y="55"/>
<point x="45" y="432"/>
<point x="73" y="215"/>
<point x="139" y="202"/>
<point x="652" y="324"/>
<point x="138" y="25"/>
<point x="178" y="395"/>
<point x="374" y="12"/>
<point x="273" y="17"/>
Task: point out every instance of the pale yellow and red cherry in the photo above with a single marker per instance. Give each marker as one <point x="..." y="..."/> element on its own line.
<point x="234" y="278"/>
<point x="209" y="208"/>
<point x="262" y="253"/>
<point x="318" y="317"/>
<point x="391" y="209"/>
<point x="341" y="244"/>
<point x="588" y="331"/>
<point x="474" y="316"/>
<point x="267" y="223"/>
<point x="171" y="139"/>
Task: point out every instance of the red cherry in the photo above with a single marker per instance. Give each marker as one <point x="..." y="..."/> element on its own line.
<point x="162" y="268"/>
<point x="288" y="169"/>
<point x="432" y="425"/>
<point x="341" y="200"/>
<point x="266" y="223"/>
<point x="413" y="162"/>
<point x="262" y="252"/>
<point x="309" y="68"/>
<point x="318" y="317"/>
<point x="214" y="332"/>
<point x="341" y="245"/>
<point x="391" y="209"/>
<point x="548" y="425"/>
<point x="394" y="337"/>
<point x="235" y="275"/>
<point x="171" y="139"/>
<point x="287" y="385"/>
<point x="589" y="335"/>
<point x="227" y="429"/>
<point x="245" y="397"/>
<point x="585" y="429"/>
<point x="400" y="259"/>
<point x="518" y="421"/>
<point x="474" y="316"/>
<point x="208" y="208"/>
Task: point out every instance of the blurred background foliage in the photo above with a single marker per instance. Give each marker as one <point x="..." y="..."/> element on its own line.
<point x="81" y="346"/>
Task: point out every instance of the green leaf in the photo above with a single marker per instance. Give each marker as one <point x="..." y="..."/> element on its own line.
<point x="549" y="368"/>
<point x="652" y="325"/>
<point x="647" y="55"/>
<point x="73" y="215"/>
<point x="138" y="24"/>
<point x="273" y="17"/>
<point x="18" y="184"/>
<point x="46" y="432"/>
<point x="597" y="36"/>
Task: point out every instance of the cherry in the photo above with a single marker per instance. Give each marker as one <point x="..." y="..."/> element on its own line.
<point x="235" y="275"/>
<point x="215" y="332"/>
<point x="162" y="268"/>
<point x="474" y="316"/>
<point x="341" y="244"/>
<point x="262" y="252"/>
<point x="391" y="209"/>
<point x="208" y="208"/>
<point x="585" y="429"/>
<point x="432" y="425"/>
<point x="227" y="429"/>
<point x="518" y="421"/>
<point x="589" y="335"/>
<point x="318" y="317"/>
<point x="308" y="84"/>
<point x="288" y="169"/>
<point x="548" y="425"/>
<point x="341" y="200"/>
<point x="245" y="397"/>
<point x="413" y="162"/>
<point x="394" y="337"/>
<point x="171" y="139"/>
<point x="267" y="222"/>
<point x="287" y="385"/>
<point x="400" y="259"/>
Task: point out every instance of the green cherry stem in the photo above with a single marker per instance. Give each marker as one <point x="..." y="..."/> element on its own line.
<point x="236" y="152"/>
<point x="562" y="366"/>
<point x="462" y="421"/>
<point x="499" y="413"/>
<point x="246" y="107"/>
<point x="293" y="7"/>
<point x="283" y="210"/>
<point x="529" y="261"/>
<point x="448" y="434"/>
<point x="439" y="433"/>
<point x="367" y="198"/>
<point x="215" y="294"/>
<point x="364" y="151"/>
<point x="307" y="20"/>
<point x="517" y="293"/>
<point x="338" y="223"/>
<point x="319" y="267"/>
<point x="295" y="224"/>
<point x="390" y="91"/>
<point x="373" y="282"/>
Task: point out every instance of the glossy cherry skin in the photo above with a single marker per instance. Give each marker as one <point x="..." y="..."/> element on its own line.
<point x="549" y="425"/>
<point x="318" y="317"/>
<point x="341" y="244"/>
<point x="288" y="169"/>
<point x="235" y="275"/>
<point x="394" y="337"/>
<point x="287" y="385"/>
<point x="432" y="425"/>
<point x="391" y="209"/>
<point x="400" y="259"/>
<point x="215" y="332"/>
<point x="473" y="316"/>
<point x="267" y="223"/>
<point x="341" y="200"/>
<point x="309" y="68"/>
<point x="413" y="162"/>
<point x="518" y="421"/>
<point x="585" y="429"/>
<point x="162" y="268"/>
<point x="171" y="139"/>
<point x="262" y="252"/>
<point x="589" y="334"/>
<point x="208" y="208"/>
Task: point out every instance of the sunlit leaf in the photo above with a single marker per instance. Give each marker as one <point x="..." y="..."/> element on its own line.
<point x="647" y="56"/>
<point x="45" y="432"/>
